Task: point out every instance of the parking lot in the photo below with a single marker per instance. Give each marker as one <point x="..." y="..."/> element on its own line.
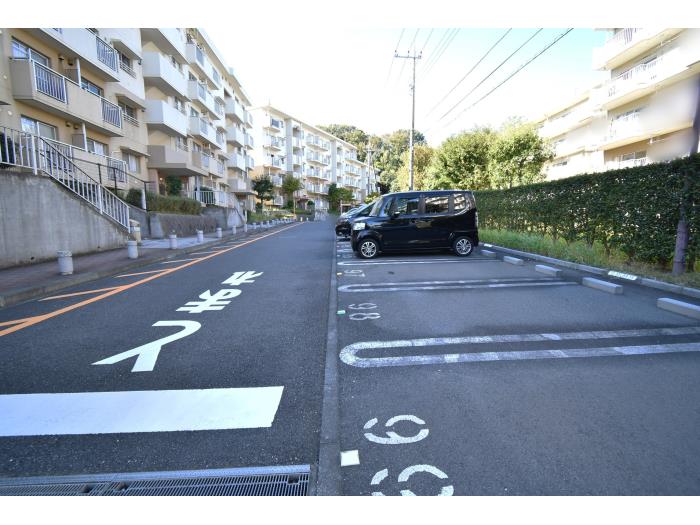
<point x="475" y="376"/>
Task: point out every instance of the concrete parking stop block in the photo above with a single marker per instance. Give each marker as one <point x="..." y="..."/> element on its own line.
<point x="513" y="260"/>
<point x="488" y="253"/>
<point x="679" y="307"/>
<point x="548" y="270"/>
<point x="603" y="286"/>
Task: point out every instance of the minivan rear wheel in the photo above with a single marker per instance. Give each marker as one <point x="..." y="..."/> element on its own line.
<point x="462" y="246"/>
<point x="368" y="249"/>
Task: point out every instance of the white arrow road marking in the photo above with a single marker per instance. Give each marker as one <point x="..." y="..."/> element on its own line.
<point x="140" y="411"/>
<point x="148" y="353"/>
<point x="348" y="355"/>
<point x="394" y="438"/>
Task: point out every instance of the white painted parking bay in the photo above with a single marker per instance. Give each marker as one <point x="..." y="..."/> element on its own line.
<point x="138" y="411"/>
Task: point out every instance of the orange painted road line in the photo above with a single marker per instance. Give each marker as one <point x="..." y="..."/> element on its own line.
<point x="21" y="324"/>
<point x="138" y="273"/>
<point x="78" y="293"/>
<point x="16" y="321"/>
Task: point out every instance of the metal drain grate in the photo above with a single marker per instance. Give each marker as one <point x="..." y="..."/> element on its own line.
<point x="259" y="481"/>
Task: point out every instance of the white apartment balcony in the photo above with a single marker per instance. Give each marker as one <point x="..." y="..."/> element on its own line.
<point x="126" y="40"/>
<point x="201" y="129"/>
<point x="310" y="171"/>
<point x="158" y="71"/>
<point x="249" y="142"/>
<point x="628" y="43"/>
<point x="175" y="161"/>
<point x="297" y="143"/>
<point x="238" y="185"/>
<point x="234" y="109"/>
<point x="314" y="156"/>
<point x="274" y="124"/>
<point x="199" y="93"/>
<point x="621" y="164"/>
<point x="276" y="180"/>
<point x="646" y="78"/>
<point x="237" y="161"/>
<point x="278" y="200"/>
<point x="39" y="86"/>
<point x="201" y="64"/>
<point x="95" y="55"/>
<point x="576" y="117"/>
<point x="250" y="162"/>
<point x="297" y="160"/>
<point x="318" y="142"/>
<point x="235" y="136"/>
<point x="272" y="162"/>
<point x="274" y="143"/>
<point x="249" y="119"/>
<point x="163" y="117"/>
<point x="169" y="40"/>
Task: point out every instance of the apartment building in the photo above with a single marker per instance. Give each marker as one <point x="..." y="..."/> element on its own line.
<point x="642" y="113"/>
<point x="132" y="107"/>
<point x="288" y="146"/>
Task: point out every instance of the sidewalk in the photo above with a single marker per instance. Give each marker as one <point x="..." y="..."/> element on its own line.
<point x="23" y="283"/>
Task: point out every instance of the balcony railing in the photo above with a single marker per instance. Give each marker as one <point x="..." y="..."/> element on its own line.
<point x="111" y="113"/>
<point x="106" y="54"/>
<point x="50" y="83"/>
<point x="128" y="69"/>
<point x="630" y="163"/>
<point x="642" y="73"/>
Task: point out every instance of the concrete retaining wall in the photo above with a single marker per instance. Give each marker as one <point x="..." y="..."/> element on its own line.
<point x="163" y="224"/>
<point x="38" y="217"/>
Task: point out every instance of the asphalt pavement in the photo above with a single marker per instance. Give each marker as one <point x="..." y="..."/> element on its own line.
<point x="409" y="374"/>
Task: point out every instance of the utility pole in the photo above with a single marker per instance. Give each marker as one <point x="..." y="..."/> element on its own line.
<point x="370" y="174"/>
<point x="413" y="57"/>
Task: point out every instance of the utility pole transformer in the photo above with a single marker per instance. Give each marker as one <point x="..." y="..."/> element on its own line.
<point x="413" y="57"/>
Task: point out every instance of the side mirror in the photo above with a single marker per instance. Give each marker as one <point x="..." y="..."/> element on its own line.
<point x="395" y="215"/>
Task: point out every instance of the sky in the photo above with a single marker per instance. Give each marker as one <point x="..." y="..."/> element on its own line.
<point x="350" y="76"/>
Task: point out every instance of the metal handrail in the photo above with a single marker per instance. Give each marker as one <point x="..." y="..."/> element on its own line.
<point x="26" y="150"/>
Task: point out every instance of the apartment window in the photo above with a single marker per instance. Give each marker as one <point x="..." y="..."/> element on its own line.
<point x="193" y="112"/>
<point x="20" y="50"/>
<point x="37" y="127"/>
<point x="97" y="147"/>
<point x="91" y="87"/>
<point x="634" y="156"/>
<point x="192" y="77"/>
<point x="196" y="147"/>
<point x="437" y="204"/>
<point x="179" y="105"/>
<point x="124" y="60"/>
<point x="128" y="110"/>
<point x="132" y="162"/>
<point x="181" y="143"/>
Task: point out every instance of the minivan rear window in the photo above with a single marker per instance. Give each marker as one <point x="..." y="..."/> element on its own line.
<point x="437" y="204"/>
<point x="460" y="201"/>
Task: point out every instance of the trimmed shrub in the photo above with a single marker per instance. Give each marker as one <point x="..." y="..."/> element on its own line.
<point x="634" y="210"/>
<point x="165" y="203"/>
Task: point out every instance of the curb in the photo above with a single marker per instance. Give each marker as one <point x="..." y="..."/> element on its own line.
<point x="642" y="281"/>
<point x="26" y="294"/>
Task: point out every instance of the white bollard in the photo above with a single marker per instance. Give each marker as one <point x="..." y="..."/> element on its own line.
<point x="245" y="227"/>
<point x="173" y="241"/>
<point x="234" y="229"/>
<point x="219" y="233"/>
<point x="65" y="262"/>
<point x="200" y="236"/>
<point x="132" y="249"/>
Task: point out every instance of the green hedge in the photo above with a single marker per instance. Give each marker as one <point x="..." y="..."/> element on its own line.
<point x="635" y="210"/>
<point x="165" y="203"/>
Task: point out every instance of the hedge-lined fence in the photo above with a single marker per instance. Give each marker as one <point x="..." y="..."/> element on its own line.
<point x="164" y="203"/>
<point x="635" y="210"/>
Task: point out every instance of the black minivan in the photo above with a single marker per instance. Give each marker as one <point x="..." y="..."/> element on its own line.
<point x="418" y="220"/>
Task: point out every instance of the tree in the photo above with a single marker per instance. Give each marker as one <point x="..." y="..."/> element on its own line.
<point x="289" y="186"/>
<point x="462" y="161"/>
<point x="173" y="185"/>
<point x="422" y="158"/>
<point x="337" y="195"/>
<point x="263" y="186"/>
<point x="518" y="155"/>
<point x="389" y="152"/>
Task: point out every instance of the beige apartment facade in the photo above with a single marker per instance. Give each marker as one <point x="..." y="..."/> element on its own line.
<point x="642" y="113"/>
<point x="289" y="146"/>
<point x="155" y="104"/>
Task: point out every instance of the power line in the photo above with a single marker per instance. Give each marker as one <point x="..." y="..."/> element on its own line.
<point x="427" y="40"/>
<point x="438" y="55"/>
<point x="491" y="73"/>
<point x="468" y="72"/>
<point x="413" y="43"/>
<point x="438" y="47"/>
<point x="557" y="39"/>
<point x="396" y="48"/>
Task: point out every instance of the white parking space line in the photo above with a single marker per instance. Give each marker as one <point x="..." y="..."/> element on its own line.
<point x="348" y="355"/>
<point x="139" y="411"/>
<point x="451" y="285"/>
<point x="403" y="261"/>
